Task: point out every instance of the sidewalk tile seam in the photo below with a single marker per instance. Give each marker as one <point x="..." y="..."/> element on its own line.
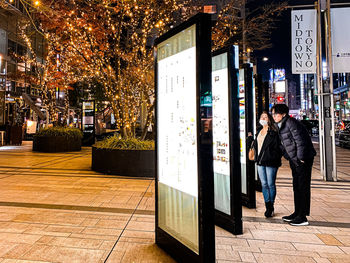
<point x="75" y="208"/>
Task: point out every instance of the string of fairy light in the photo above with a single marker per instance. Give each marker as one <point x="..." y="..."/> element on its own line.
<point x="45" y="73"/>
<point x="95" y="48"/>
<point x="228" y="25"/>
<point x="88" y="55"/>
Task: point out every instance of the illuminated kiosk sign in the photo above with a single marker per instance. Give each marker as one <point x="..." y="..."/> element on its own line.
<point x="226" y="143"/>
<point x="184" y="177"/>
<point x="88" y="122"/>
<point x="247" y="120"/>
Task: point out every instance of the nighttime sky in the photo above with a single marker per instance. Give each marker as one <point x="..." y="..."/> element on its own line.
<point x="280" y="54"/>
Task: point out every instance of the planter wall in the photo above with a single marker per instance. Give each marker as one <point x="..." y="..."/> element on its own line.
<point x="56" y="144"/>
<point x="133" y="163"/>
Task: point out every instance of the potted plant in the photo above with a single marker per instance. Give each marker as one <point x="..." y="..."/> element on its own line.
<point x="124" y="157"/>
<point x="57" y="139"/>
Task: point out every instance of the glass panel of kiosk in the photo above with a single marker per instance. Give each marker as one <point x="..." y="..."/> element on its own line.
<point x="177" y="138"/>
<point x="184" y="194"/>
<point x="221" y="136"/>
<point x="247" y="124"/>
<point x="226" y="161"/>
<point x="242" y="129"/>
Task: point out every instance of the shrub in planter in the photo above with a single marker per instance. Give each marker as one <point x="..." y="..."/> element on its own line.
<point x="57" y="139"/>
<point x="124" y="157"/>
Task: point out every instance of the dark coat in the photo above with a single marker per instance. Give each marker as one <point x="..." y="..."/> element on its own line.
<point x="270" y="154"/>
<point x="296" y="142"/>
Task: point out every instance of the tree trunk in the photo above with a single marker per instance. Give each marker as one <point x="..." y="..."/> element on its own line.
<point x="148" y="120"/>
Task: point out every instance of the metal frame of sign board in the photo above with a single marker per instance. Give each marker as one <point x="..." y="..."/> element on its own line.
<point x="206" y="230"/>
<point x="89" y="142"/>
<point x="259" y="109"/>
<point x="249" y="199"/>
<point x="233" y="222"/>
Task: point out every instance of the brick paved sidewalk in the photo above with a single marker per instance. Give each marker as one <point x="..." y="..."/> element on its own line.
<point x="54" y="209"/>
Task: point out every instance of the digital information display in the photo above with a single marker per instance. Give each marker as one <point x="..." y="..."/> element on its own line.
<point x="88" y="117"/>
<point x="31" y="127"/>
<point x="279" y="75"/>
<point x="177" y="138"/>
<point x="221" y="135"/>
<point x="280" y="86"/>
<point x="88" y="122"/>
<point x="242" y="127"/>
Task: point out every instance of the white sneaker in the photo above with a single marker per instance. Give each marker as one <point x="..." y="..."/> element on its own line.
<point x="299" y="221"/>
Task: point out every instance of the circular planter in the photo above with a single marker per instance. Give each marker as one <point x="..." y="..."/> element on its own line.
<point x="56" y="144"/>
<point x="134" y="163"/>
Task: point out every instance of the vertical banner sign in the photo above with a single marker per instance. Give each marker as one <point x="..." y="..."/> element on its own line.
<point x="340" y="25"/>
<point x="2" y="107"/>
<point x="88" y="122"/>
<point x="304" y="32"/>
<point x="226" y="152"/>
<point x="184" y="193"/>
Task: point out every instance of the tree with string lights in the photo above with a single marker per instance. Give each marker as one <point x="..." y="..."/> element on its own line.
<point x="45" y="73"/>
<point x="250" y="28"/>
<point x="108" y="41"/>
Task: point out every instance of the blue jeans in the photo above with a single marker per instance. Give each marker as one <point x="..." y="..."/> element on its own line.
<point x="267" y="177"/>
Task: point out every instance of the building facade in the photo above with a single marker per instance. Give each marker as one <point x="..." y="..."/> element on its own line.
<point x="15" y="75"/>
<point x="341" y="91"/>
<point x="342" y="96"/>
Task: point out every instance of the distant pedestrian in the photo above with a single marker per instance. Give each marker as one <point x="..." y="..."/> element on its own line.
<point x="268" y="158"/>
<point x="297" y="147"/>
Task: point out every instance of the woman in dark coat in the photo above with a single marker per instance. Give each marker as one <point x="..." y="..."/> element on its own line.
<point x="268" y="156"/>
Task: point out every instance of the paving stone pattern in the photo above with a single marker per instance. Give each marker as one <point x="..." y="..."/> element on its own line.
<point x="53" y="208"/>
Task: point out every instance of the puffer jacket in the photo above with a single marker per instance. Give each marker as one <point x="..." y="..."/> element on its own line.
<point x="270" y="154"/>
<point x="296" y="142"/>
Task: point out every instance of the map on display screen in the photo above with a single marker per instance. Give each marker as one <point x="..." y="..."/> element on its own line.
<point x="177" y="115"/>
<point x="220" y="120"/>
<point x="221" y="135"/>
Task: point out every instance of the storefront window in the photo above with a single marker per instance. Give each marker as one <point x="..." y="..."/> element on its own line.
<point x="3" y="42"/>
<point x="20" y="67"/>
<point x="2" y="67"/>
<point x="11" y="68"/>
<point x="21" y="50"/>
<point x="11" y="47"/>
<point x="2" y="83"/>
<point x="10" y="86"/>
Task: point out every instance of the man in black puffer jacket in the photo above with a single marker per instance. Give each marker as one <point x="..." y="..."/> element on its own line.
<point x="298" y="149"/>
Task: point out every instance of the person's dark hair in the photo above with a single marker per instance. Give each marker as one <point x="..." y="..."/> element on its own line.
<point x="271" y="122"/>
<point x="280" y="108"/>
